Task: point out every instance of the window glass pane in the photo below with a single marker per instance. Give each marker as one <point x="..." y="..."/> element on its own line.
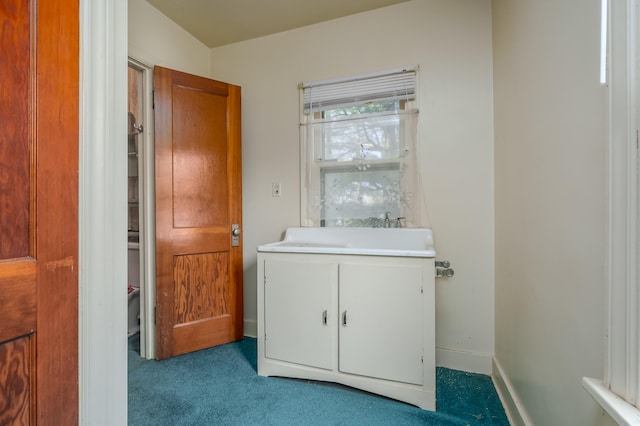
<point x="364" y="108"/>
<point x="373" y="138"/>
<point x="353" y="197"/>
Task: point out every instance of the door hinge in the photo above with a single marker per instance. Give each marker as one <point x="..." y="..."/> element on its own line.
<point x="153" y="99"/>
<point x="155" y="314"/>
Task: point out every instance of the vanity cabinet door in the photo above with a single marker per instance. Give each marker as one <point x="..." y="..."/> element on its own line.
<point x="300" y="316"/>
<point x="381" y="321"/>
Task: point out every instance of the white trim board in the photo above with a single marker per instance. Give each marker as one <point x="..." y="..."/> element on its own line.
<point x="472" y="362"/>
<point x="102" y="214"/>
<point x="513" y="407"/>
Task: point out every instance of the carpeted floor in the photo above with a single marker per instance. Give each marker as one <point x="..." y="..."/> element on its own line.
<point x="220" y="386"/>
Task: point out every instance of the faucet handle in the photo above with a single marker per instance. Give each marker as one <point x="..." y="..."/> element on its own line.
<point x="399" y="221"/>
<point x="387" y="220"/>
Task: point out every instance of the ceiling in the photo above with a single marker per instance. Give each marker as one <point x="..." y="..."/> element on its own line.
<point x="220" y="22"/>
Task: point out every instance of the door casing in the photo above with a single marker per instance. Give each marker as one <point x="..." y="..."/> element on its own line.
<point x="146" y="173"/>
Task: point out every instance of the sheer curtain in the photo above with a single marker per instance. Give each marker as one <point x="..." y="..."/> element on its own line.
<point x="360" y="151"/>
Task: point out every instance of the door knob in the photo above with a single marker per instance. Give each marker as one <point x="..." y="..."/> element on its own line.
<point x="235" y="235"/>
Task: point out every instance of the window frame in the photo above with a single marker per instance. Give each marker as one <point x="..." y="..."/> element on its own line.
<point x="313" y="170"/>
<point x="619" y="392"/>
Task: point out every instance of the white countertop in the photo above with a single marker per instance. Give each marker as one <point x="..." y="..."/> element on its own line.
<point x="403" y="242"/>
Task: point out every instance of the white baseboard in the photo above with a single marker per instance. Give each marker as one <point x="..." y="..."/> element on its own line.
<point x="251" y="328"/>
<point x="516" y="412"/>
<point x="472" y="362"/>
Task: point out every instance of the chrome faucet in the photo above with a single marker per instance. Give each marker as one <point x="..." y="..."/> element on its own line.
<point x="387" y="220"/>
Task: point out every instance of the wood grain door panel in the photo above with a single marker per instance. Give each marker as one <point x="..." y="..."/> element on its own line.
<point x="15" y="132"/>
<point x="198" y="197"/>
<point x="18" y="270"/>
<point x="202" y="302"/>
<point x="17" y="380"/>
<point x="19" y="298"/>
<point x="39" y="212"/>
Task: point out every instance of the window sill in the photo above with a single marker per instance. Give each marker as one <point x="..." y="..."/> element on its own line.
<point x="619" y="409"/>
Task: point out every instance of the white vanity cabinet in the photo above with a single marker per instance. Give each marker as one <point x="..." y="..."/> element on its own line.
<point x="363" y="321"/>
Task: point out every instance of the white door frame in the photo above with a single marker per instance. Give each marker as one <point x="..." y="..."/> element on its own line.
<point x="103" y="213"/>
<point x="146" y="174"/>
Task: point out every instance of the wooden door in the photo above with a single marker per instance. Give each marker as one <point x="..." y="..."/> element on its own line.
<point x="39" y="212"/>
<point x="199" y="300"/>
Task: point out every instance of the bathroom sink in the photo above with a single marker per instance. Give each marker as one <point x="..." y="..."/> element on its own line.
<point x="406" y="242"/>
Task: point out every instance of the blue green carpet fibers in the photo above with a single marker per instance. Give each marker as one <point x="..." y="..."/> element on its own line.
<point x="220" y="386"/>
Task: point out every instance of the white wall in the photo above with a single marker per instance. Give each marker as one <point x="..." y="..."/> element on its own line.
<point x="154" y="39"/>
<point x="549" y="167"/>
<point x="550" y="205"/>
<point x="451" y="42"/>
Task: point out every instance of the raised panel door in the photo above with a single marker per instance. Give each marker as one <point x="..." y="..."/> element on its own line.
<point x="39" y="212"/>
<point x="199" y="272"/>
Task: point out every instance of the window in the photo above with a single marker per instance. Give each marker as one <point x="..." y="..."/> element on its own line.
<point x="359" y="150"/>
<point x="619" y="392"/>
<point x="622" y="373"/>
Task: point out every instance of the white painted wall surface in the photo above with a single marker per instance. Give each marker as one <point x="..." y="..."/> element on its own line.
<point x="154" y="39"/>
<point x="550" y="130"/>
<point x="451" y="42"/>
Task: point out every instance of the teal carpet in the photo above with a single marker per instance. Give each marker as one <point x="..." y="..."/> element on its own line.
<point x="220" y="386"/>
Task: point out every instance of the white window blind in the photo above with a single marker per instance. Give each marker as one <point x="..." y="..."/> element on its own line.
<point x="398" y="84"/>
